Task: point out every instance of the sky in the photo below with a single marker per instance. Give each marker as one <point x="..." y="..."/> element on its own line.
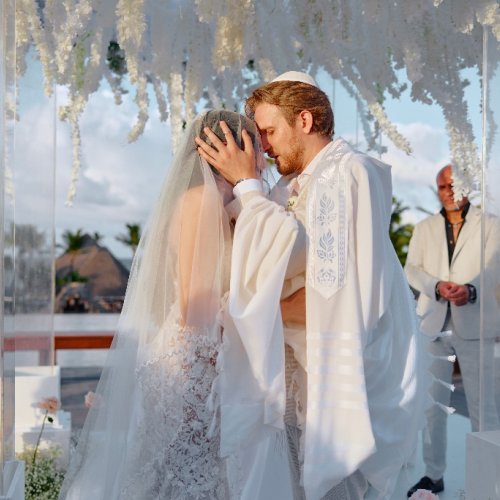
<point x="119" y="181"/>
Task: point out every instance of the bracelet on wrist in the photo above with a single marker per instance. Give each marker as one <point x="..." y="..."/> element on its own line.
<point x="472" y="293"/>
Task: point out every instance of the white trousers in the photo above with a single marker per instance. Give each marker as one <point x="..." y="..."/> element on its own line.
<point x="467" y="352"/>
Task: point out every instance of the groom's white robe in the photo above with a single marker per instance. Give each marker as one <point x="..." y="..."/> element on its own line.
<point x="365" y="393"/>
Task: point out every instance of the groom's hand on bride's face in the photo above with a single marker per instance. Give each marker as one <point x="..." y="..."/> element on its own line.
<point x="232" y="162"/>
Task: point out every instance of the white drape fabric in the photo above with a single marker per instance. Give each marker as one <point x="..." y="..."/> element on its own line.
<point x="154" y="430"/>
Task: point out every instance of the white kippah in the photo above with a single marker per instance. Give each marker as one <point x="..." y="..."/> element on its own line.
<point x="295" y="76"/>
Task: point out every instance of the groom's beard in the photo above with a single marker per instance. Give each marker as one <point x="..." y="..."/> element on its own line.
<point x="292" y="161"/>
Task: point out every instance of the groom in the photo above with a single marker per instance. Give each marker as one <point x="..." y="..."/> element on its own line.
<point x="353" y="361"/>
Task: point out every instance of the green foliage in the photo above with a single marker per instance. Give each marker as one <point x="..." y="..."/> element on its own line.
<point x="97" y="237"/>
<point x="43" y="476"/>
<point x="116" y="58"/>
<point x="132" y="237"/>
<point x="73" y="241"/>
<point x="400" y="233"/>
<point x="72" y="277"/>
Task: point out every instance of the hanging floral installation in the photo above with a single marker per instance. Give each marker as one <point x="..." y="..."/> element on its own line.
<point x="217" y="50"/>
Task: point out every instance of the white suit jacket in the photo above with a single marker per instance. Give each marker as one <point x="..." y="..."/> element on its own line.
<point x="427" y="263"/>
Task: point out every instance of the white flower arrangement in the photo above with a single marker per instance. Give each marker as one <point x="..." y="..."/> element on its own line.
<point x="43" y="477"/>
<point x="197" y="49"/>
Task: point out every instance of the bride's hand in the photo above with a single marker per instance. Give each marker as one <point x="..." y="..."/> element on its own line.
<point x="232" y="162"/>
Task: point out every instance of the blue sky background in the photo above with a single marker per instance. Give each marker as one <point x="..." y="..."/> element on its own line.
<point x="119" y="181"/>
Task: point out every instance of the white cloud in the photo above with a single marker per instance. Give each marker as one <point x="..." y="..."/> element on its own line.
<point x="118" y="182"/>
<point x="414" y="176"/>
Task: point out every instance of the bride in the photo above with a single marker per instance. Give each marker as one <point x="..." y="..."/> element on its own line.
<point x="153" y="431"/>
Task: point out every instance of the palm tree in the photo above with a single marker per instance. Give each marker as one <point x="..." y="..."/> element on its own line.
<point x="97" y="237"/>
<point x="73" y="241"/>
<point x="399" y="233"/>
<point x="132" y="238"/>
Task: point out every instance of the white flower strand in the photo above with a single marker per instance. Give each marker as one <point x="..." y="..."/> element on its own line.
<point x="23" y="38"/>
<point x="76" y="162"/>
<point x="131" y="21"/>
<point x="362" y="115"/>
<point x="142" y="101"/>
<point x="228" y="49"/>
<point x="465" y="160"/>
<point x="160" y="99"/>
<point x="131" y="27"/>
<point x="72" y="113"/>
<point x="73" y="29"/>
<point x="389" y="129"/>
<point x="175" y="96"/>
<point x="28" y="8"/>
<point x="95" y="50"/>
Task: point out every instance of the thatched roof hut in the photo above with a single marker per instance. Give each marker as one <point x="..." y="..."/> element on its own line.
<point x="105" y="276"/>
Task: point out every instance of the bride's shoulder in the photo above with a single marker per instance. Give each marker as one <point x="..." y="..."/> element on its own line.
<point x="193" y="194"/>
<point x="189" y="202"/>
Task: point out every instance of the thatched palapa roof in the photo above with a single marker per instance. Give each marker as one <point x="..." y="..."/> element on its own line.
<point x="106" y="276"/>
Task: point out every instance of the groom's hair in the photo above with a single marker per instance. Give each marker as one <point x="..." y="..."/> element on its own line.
<point x="292" y="98"/>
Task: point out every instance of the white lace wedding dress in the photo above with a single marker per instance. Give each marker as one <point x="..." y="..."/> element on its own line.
<point x="154" y="431"/>
<point x="176" y="449"/>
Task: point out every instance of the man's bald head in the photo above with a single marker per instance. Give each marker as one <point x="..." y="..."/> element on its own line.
<point x="444" y="183"/>
<point x="444" y="171"/>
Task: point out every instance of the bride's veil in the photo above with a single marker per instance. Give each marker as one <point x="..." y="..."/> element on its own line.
<point x="151" y="432"/>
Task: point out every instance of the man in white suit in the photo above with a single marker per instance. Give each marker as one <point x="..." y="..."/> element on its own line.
<point x="443" y="267"/>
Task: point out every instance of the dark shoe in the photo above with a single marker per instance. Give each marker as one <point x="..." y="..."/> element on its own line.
<point x="426" y="483"/>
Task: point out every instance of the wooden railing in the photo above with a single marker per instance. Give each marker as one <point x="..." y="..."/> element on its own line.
<point x="24" y="341"/>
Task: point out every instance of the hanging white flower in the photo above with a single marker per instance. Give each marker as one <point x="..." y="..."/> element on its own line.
<point x="197" y="48"/>
<point x="176" y="121"/>
<point x="388" y="128"/>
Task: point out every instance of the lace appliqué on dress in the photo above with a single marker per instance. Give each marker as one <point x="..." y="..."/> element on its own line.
<point x="175" y="453"/>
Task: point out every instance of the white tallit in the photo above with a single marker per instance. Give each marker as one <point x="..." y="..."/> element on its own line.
<point x="364" y="392"/>
<point x="365" y="372"/>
